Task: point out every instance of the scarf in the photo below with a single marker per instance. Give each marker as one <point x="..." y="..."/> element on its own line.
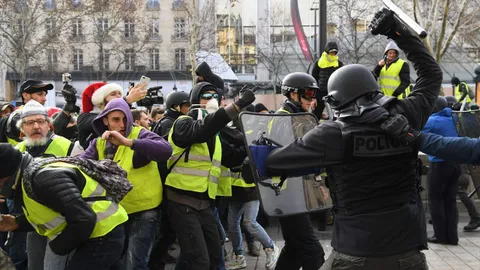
<point x="106" y="172"/>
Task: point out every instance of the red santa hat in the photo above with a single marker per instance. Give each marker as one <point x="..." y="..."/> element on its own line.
<point x="99" y="96"/>
<point x="87" y="105"/>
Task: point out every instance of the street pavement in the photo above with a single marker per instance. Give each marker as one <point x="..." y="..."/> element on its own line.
<point x="439" y="257"/>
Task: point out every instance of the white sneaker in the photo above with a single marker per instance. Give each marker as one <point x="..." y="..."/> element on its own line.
<point x="237" y="262"/>
<point x="272" y="257"/>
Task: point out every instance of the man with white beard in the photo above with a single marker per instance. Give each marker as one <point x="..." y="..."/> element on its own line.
<point x="39" y="141"/>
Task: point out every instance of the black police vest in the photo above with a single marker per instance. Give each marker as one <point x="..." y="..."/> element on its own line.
<point x="378" y="210"/>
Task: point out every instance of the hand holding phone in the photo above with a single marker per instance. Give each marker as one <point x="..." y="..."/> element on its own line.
<point x="143" y="80"/>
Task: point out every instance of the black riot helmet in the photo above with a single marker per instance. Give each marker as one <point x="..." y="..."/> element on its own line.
<point x="299" y="82"/>
<point x="176" y="99"/>
<point x="348" y="83"/>
<point x="451" y="100"/>
<point x="440" y="104"/>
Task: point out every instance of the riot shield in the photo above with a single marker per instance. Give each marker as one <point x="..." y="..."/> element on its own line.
<point x="287" y="195"/>
<point x="468" y="125"/>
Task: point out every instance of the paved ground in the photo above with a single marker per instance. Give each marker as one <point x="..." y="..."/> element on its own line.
<point x="440" y="257"/>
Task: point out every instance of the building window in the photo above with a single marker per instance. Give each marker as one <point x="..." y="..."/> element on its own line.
<point x="178" y="3"/>
<point x="179" y="59"/>
<point x="52" y="59"/>
<point x="77" y="28"/>
<point x="106" y="60"/>
<point x="129" y="28"/>
<point x="76" y="3"/>
<point x="154" y="29"/>
<point x="50" y="26"/>
<point x="77" y="59"/>
<point x="153" y="4"/>
<point x="102" y="26"/>
<point x="129" y="59"/>
<point x="179" y="28"/>
<point x="154" y="59"/>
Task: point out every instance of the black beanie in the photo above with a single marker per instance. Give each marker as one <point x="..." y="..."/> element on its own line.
<point x="260" y="107"/>
<point x="10" y="159"/>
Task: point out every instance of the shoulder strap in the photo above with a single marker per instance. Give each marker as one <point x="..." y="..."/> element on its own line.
<point x="176" y="161"/>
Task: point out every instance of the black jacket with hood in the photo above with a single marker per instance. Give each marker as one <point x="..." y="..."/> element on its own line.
<point x="323" y="74"/>
<point x="190" y="130"/>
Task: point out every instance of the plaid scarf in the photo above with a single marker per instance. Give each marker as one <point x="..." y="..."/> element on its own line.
<point x="106" y="172"/>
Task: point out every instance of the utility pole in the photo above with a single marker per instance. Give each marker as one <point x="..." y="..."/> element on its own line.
<point x="315" y="7"/>
<point x="322" y="37"/>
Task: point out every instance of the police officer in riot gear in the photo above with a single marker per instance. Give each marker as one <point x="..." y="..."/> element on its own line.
<point x="302" y="248"/>
<point x="373" y="179"/>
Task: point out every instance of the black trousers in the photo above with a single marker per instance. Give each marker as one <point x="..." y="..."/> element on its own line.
<point x="463" y="183"/>
<point x="442" y="199"/>
<point x="197" y="234"/>
<point x="302" y="248"/>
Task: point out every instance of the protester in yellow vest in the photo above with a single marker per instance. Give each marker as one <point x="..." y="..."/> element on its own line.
<point x="140" y="119"/>
<point x="195" y="173"/>
<point x="137" y="151"/>
<point x="39" y="141"/>
<point x="321" y="71"/>
<point x="393" y="73"/>
<point x="462" y="91"/>
<point x="62" y="200"/>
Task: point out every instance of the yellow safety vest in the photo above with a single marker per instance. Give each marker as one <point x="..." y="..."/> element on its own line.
<point x="389" y="79"/>
<point x="12" y="141"/>
<point x="325" y="62"/>
<point x="199" y="173"/>
<point x="147" y="187"/>
<point x="458" y="94"/>
<point x="270" y="124"/>
<point x="225" y="184"/>
<point x="58" y="147"/>
<point x="50" y="223"/>
<point x="238" y="181"/>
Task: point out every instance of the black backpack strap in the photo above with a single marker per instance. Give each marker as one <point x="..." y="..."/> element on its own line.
<point x="176" y="161"/>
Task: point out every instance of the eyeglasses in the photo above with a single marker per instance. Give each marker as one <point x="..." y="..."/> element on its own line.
<point x="309" y="94"/>
<point x="209" y="96"/>
<point x="32" y="122"/>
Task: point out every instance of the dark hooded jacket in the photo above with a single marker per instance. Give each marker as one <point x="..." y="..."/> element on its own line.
<point x="148" y="146"/>
<point x="189" y="130"/>
<point x="323" y="74"/>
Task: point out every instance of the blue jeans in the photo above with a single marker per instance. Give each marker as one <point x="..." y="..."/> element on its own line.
<point x="249" y="210"/>
<point x="140" y="230"/>
<point x="99" y="253"/>
<point x="40" y="256"/>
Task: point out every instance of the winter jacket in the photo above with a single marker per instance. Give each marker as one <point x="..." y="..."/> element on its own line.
<point x="441" y="123"/>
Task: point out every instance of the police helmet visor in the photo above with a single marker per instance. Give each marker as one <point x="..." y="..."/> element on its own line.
<point x="309" y="93"/>
<point x="209" y="96"/>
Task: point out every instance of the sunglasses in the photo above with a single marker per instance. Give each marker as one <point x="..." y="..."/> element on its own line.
<point x="309" y="94"/>
<point x="209" y="96"/>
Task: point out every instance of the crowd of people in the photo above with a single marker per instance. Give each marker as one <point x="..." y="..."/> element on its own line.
<point x="116" y="186"/>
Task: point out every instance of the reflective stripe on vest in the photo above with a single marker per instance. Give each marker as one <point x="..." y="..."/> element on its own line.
<point x="238" y="181"/>
<point x="50" y="223"/>
<point x="458" y="94"/>
<point x="325" y="62"/>
<point x="58" y="147"/>
<point x="389" y="79"/>
<point x="225" y="185"/>
<point x="196" y="172"/>
<point x="147" y="187"/>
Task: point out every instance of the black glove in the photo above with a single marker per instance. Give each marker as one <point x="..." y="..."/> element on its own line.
<point x="397" y="126"/>
<point x="247" y="97"/>
<point x="457" y="106"/>
<point x="68" y="93"/>
<point x="385" y="23"/>
<point x="71" y="108"/>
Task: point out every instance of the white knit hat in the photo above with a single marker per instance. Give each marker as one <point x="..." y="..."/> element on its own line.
<point x="33" y="108"/>
<point x="99" y="96"/>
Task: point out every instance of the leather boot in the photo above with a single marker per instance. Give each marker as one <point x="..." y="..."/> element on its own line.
<point x="472" y="225"/>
